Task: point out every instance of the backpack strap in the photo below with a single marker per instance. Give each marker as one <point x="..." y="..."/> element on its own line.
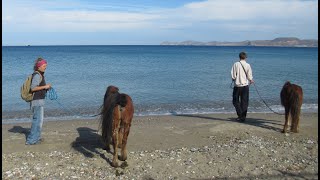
<point x="35" y="72"/>
<point x="244" y="70"/>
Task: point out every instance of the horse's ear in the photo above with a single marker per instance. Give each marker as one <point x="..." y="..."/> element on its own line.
<point x="287" y="83"/>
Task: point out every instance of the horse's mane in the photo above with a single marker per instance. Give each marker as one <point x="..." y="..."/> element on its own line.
<point x="285" y="93"/>
<point x="112" y="98"/>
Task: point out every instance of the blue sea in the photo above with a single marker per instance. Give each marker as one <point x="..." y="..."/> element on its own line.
<point x="162" y="80"/>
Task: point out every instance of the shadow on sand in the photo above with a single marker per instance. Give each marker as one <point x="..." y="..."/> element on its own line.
<point x="20" y="130"/>
<point x="263" y="123"/>
<point x="88" y="143"/>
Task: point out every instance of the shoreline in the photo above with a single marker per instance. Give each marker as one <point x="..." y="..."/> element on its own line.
<point x="25" y="116"/>
<point x="199" y="146"/>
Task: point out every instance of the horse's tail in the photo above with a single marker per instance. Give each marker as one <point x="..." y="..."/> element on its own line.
<point x="296" y="96"/>
<point x="107" y="116"/>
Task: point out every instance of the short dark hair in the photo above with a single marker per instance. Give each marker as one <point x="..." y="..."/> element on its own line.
<point x="243" y="55"/>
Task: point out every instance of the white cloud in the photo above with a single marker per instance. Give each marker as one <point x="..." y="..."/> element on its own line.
<point x="72" y="16"/>
<point x="222" y="10"/>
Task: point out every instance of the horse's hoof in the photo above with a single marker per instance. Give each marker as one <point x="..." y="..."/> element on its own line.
<point x="114" y="164"/>
<point x="122" y="158"/>
<point x="124" y="165"/>
<point x="283" y="131"/>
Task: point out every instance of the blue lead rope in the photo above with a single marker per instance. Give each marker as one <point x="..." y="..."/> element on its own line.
<point x="52" y="95"/>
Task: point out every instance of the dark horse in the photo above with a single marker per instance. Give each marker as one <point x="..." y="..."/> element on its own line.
<point x="116" y="116"/>
<point x="291" y="98"/>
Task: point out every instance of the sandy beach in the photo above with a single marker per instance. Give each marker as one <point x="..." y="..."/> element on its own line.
<point x="211" y="146"/>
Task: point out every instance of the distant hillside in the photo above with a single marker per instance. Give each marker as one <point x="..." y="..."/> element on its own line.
<point x="282" y="41"/>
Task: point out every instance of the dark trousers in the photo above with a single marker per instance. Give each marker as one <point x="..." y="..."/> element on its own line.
<point x="241" y="100"/>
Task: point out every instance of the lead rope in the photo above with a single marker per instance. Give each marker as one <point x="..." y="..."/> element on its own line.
<point x="259" y="93"/>
<point x="265" y="102"/>
<point x="52" y="95"/>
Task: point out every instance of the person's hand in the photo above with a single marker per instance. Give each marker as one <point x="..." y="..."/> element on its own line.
<point x="47" y="86"/>
<point x="251" y="81"/>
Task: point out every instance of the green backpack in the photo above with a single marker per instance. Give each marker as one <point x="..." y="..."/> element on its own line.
<point x="25" y="90"/>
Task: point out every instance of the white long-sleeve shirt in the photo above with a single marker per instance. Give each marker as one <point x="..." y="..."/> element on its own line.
<point x="238" y="74"/>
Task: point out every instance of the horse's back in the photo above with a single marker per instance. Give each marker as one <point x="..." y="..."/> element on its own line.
<point x="127" y="109"/>
<point x="298" y="91"/>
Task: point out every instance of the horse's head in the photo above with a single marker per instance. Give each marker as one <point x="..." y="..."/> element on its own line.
<point x="112" y="90"/>
<point x="287" y="84"/>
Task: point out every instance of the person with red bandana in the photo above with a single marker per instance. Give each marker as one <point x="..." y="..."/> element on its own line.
<point x="39" y="89"/>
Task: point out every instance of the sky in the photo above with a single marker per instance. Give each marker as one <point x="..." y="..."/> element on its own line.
<point x="146" y="22"/>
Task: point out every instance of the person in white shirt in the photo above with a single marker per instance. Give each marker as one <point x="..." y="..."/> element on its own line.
<point x="241" y="75"/>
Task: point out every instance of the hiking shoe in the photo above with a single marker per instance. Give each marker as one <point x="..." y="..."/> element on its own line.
<point x="38" y="142"/>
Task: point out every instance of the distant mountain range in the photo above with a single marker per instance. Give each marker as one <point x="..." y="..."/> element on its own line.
<point x="282" y="41"/>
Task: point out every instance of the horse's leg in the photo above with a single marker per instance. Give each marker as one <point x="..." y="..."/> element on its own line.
<point x="299" y="110"/>
<point x="286" y="120"/>
<point x="115" y="132"/>
<point x="120" y="135"/>
<point x="293" y="121"/>
<point x="124" y="142"/>
<point x="115" y="148"/>
<point x="296" y="120"/>
<point x="296" y="124"/>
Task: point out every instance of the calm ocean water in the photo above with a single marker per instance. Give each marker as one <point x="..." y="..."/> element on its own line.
<point x="161" y="80"/>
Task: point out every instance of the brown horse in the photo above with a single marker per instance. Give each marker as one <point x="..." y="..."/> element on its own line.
<point x="291" y="98"/>
<point x="116" y="116"/>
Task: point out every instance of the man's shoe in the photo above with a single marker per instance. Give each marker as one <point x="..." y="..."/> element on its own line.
<point x="243" y="119"/>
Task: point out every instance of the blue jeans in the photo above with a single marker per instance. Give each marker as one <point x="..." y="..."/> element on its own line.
<point x="36" y="127"/>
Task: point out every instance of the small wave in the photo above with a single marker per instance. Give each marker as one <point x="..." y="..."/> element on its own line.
<point x="304" y="108"/>
<point x="163" y="110"/>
